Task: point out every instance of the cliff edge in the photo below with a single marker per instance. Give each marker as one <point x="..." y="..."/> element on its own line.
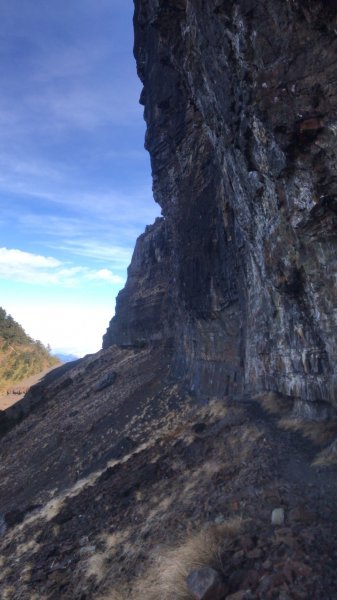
<point x="240" y="105"/>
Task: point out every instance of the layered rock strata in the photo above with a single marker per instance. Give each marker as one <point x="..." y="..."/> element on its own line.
<point x="240" y="102"/>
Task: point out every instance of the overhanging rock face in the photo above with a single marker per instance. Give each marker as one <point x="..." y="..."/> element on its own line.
<point x="241" y="109"/>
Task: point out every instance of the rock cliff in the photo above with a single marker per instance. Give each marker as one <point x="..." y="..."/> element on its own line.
<point x="123" y="472"/>
<point x="240" y="104"/>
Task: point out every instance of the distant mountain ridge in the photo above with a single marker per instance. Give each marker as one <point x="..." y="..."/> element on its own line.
<point x="64" y="358"/>
<point x="20" y="355"/>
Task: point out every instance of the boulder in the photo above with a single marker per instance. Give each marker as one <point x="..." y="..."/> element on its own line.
<point x="206" y="584"/>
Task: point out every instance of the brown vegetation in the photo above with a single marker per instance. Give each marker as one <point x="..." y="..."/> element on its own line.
<point x="20" y="355"/>
<point x="274" y="403"/>
<point x="166" y="578"/>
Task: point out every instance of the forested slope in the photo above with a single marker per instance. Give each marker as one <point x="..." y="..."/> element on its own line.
<point x="20" y="355"/>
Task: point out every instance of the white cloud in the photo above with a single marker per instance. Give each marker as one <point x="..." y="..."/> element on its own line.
<point x="105" y="275"/>
<point x="26" y="267"/>
<point x="13" y="258"/>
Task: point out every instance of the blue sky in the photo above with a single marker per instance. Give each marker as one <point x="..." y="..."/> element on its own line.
<point x="75" y="185"/>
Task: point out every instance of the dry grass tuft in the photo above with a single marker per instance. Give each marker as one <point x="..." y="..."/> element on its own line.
<point x="52" y="508"/>
<point x="4" y="572"/>
<point x="115" y="539"/>
<point x="319" y="432"/>
<point x="241" y="441"/>
<point x="175" y="433"/>
<point x="31" y="546"/>
<point x="96" y="566"/>
<point x="8" y="593"/>
<point x="274" y="403"/>
<point x="166" y="578"/>
<point x="328" y="456"/>
<point x="26" y="573"/>
<point x="217" y="408"/>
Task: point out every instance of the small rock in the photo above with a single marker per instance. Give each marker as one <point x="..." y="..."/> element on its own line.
<point x="265" y="584"/>
<point x="285" y="541"/>
<point x="240" y="595"/>
<point x="87" y="550"/>
<point x="288" y="573"/>
<point x="2" y="525"/>
<point x="219" y="520"/>
<point x="206" y="584"/>
<point x="246" y="542"/>
<point x="256" y="553"/>
<point x="238" y="555"/>
<point x="84" y="540"/>
<point x="251" y="579"/>
<point x="103" y="383"/>
<point x="277" y="516"/>
<point x="302" y="515"/>
<point x="272" y="494"/>
<point x="300" y="568"/>
<point x="236" y="579"/>
<point x="283" y="595"/>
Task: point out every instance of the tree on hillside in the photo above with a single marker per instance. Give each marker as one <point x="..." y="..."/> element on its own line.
<point x="11" y="331"/>
<point x="20" y="355"/>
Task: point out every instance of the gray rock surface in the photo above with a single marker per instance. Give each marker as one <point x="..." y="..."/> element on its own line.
<point x="106" y="381"/>
<point x="2" y="525"/>
<point x="277" y="516"/>
<point x="239" y="274"/>
<point x="206" y="584"/>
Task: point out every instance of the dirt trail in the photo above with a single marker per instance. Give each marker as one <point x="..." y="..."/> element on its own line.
<point x="7" y="400"/>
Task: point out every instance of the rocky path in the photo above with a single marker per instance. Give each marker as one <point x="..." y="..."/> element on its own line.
<point x="295" y="452"/>
<point x="111" y="535"/>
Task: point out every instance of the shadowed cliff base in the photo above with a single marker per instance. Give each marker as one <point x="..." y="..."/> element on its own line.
<point x="204" y="433"/>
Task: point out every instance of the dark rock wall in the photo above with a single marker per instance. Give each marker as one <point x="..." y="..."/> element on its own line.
<point x="241" y="109"/>
<point x="143" y="307"/>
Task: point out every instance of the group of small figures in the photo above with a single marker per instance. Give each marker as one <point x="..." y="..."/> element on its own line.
<point x="17" y="391"/>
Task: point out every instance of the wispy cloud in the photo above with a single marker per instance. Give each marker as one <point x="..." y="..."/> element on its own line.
<point x="54" y="187"/>
<point x="26" y="267"/>
<point x="104" y="227"/>
<point x="115" y="255"/>
<point x="70" y="69"/>
<point x="104" y="275"/>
